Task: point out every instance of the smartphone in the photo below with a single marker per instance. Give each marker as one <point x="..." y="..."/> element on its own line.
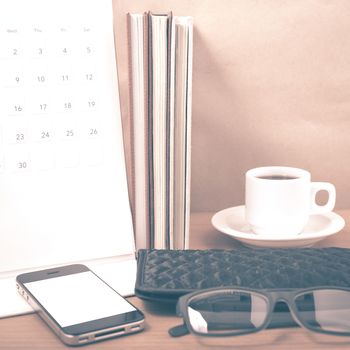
<point x="78" y="305"/>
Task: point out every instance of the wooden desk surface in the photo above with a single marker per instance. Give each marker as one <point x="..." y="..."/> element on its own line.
<point x="29" y="332"/>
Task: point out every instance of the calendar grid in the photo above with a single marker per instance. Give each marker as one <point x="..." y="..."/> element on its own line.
<point x="51" y="105"/>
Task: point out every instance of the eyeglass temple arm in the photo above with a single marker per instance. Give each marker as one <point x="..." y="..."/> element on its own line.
<point x="179" y="331"/>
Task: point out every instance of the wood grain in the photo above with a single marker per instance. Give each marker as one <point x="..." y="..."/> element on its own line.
<point x="29" y="332"/>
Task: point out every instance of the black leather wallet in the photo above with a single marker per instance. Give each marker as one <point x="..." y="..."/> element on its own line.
<point x="165" y="275"/>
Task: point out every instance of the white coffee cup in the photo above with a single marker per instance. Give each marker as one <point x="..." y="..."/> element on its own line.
<point x="279" y="200"/>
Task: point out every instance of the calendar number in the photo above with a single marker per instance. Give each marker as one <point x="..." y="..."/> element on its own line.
<point x="91" y="104"/>
<point x="65" y="77"/>
<point x="45" y="135"/>
<point x="70" y="133"/>
<point x="19" y="137"/>
<point x="17" y="79"/>
<point x="65" y="50"/>
<point x="68" y="105"/>
<point x="41" y="78"/>
<point x="15" y="52"/>
<point x="40" y="51"/>
<point x="43" y="106"/>
<point x="89" y="76"/>
<point x="88" y="49"/>
<point x="22" y="165"/>
<point x="93" y="132"/>
<point x="18" y="108"/>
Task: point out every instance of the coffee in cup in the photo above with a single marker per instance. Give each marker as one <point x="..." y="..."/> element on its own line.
<point x="279" y="200"/>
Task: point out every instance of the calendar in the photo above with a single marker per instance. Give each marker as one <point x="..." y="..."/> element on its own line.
<point x="63" y="188"/>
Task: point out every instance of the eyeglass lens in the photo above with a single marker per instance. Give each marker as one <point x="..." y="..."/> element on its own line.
<point x="325" y="310"/>
<point x="227" y="312"/>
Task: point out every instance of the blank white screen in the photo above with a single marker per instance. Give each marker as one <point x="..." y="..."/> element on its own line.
<point x="78" y="298"/>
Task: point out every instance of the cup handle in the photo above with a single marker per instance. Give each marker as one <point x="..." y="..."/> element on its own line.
<point x="329" y="206"/>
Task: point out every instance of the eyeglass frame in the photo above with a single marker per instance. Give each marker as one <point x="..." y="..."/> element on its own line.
<point x="273" y="296"/>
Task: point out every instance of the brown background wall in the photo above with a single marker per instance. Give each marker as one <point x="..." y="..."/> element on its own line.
<point x="271" y="86"/>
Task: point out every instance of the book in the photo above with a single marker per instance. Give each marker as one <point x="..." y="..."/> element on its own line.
<point x="138" y="77"/>
<point x="182" y="34"/>
<point x="159" y="80"/>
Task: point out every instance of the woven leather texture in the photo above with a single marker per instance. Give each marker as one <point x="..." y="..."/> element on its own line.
<point x="171" y="273"/>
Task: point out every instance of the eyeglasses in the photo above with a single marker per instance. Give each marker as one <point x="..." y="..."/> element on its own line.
<point x="237" y="311"/>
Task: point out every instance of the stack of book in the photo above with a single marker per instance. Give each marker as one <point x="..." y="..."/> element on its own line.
<point x="160" y="56"/>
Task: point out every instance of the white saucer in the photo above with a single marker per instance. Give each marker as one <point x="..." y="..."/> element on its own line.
<point x="232" y="222"/>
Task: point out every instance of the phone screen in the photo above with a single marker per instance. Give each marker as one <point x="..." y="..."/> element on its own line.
<point x="78" y="298"/>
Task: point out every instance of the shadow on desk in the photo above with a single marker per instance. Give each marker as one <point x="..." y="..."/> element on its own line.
<point x="160" y="308"/>
<point x="269" y="339"/>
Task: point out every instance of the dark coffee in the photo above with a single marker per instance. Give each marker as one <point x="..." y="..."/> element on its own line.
<point x="277" y="177"/>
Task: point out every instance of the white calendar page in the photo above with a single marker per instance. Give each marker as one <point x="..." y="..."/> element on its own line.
<point x="63" y="190"/>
